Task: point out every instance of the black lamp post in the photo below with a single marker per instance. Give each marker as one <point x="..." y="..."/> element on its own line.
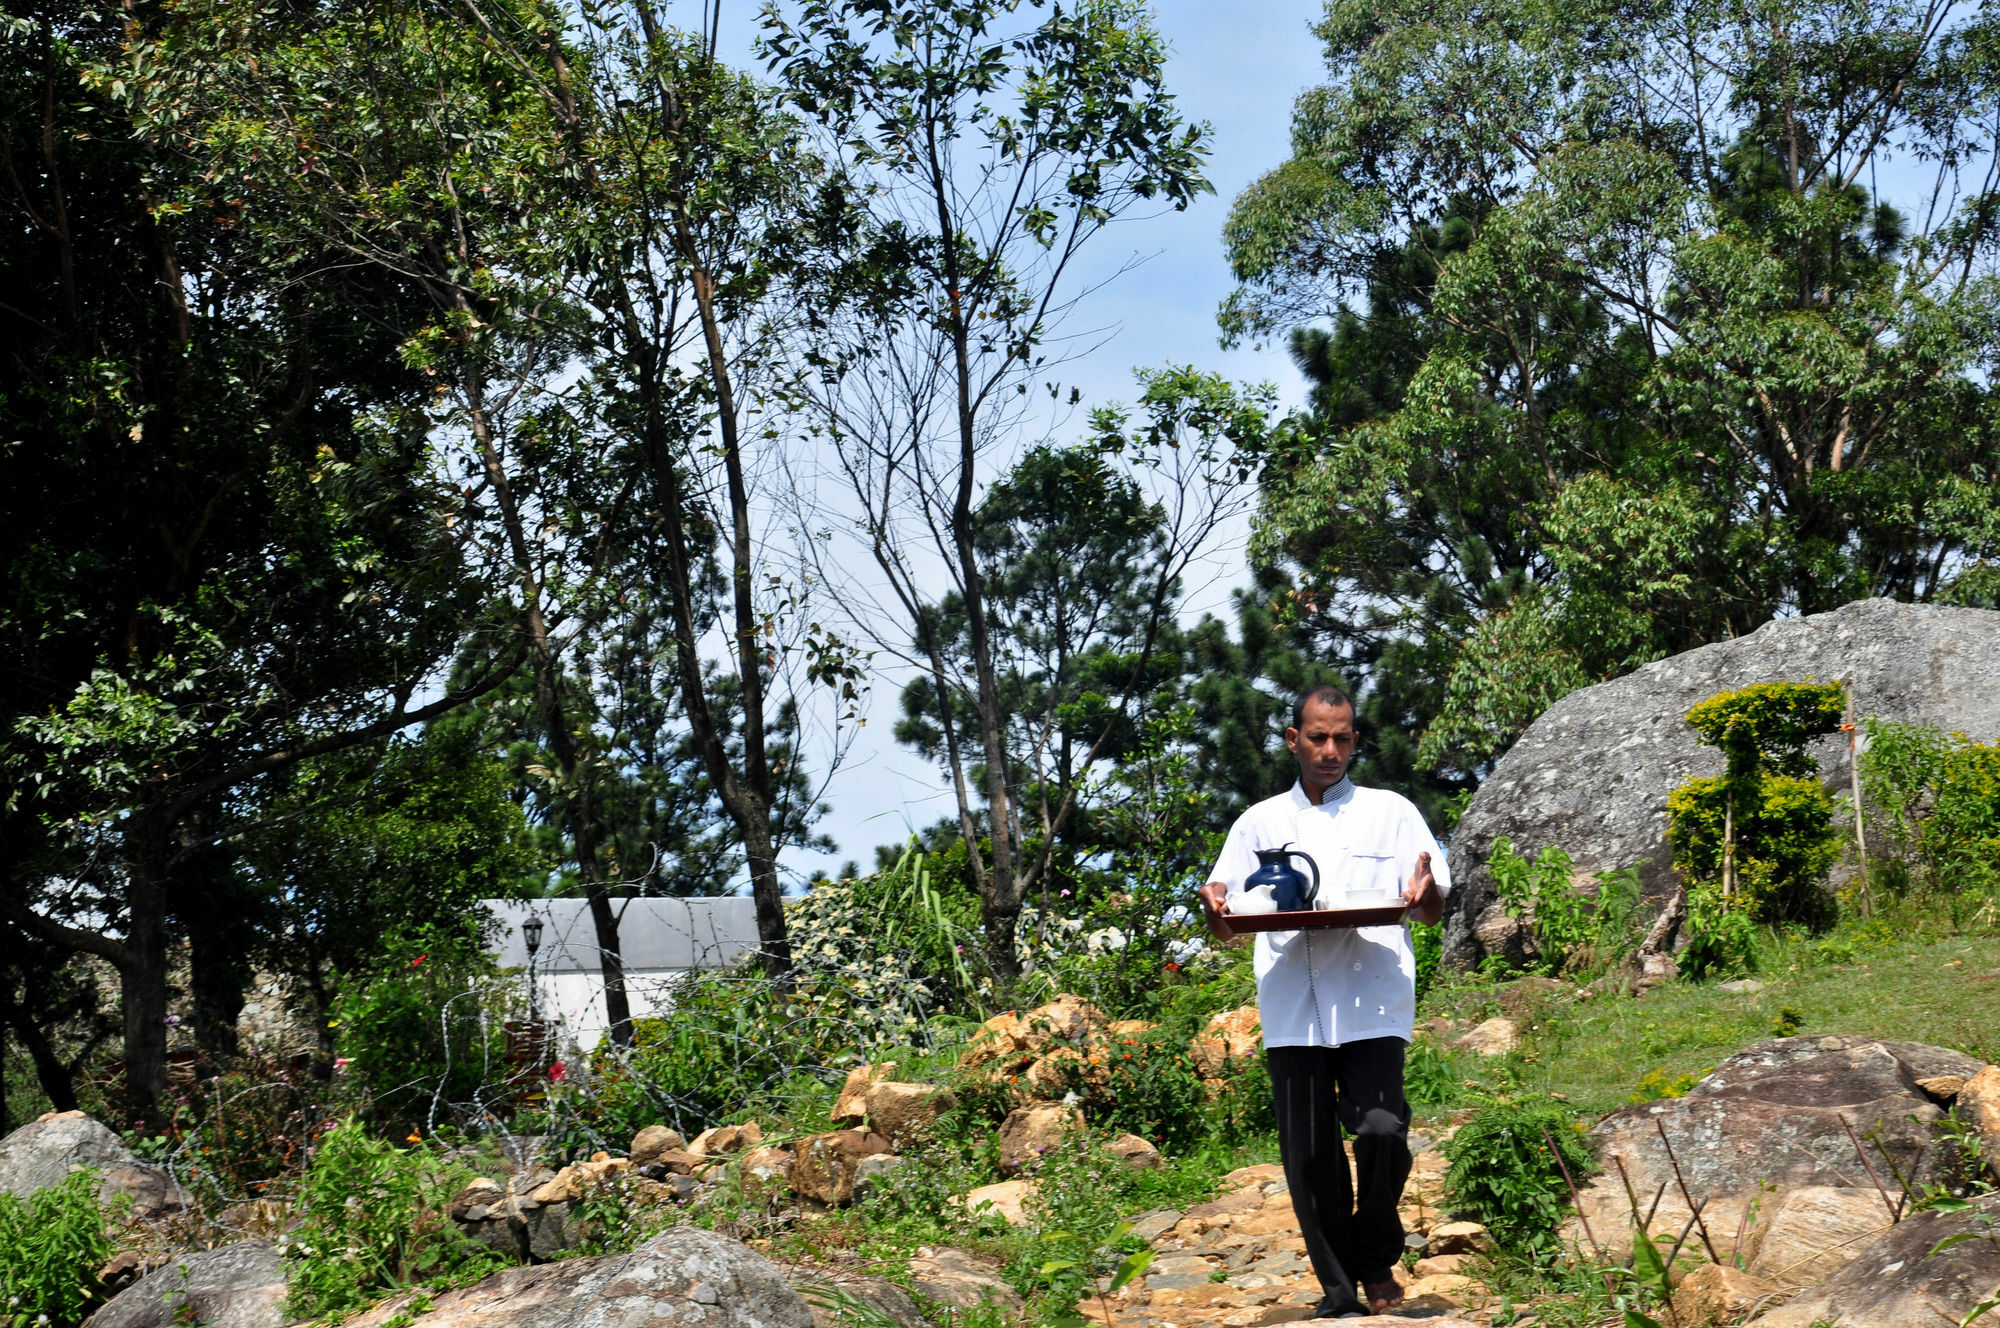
<point x="531" y="936"/>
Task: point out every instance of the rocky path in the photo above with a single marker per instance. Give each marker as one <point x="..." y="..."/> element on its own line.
<point x="1239" y="1261"/>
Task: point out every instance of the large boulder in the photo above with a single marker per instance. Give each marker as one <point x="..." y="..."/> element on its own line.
<point x="1897" y="1282"/>
<point x="1772" y="1121"/>
<point x="43" y="1152"/>
<point x="237" y="1286"/>
<point x="685" y="1277"/>
<point x="1593" y="773"/>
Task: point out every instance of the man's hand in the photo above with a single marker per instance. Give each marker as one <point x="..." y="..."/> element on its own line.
<point x="1214" y="905"/>
<point x="1426" y="901"/>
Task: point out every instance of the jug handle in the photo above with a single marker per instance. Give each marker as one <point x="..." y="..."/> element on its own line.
<point x="1294" y="853"/>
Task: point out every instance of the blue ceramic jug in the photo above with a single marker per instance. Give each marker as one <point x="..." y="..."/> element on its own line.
<point x="1289" y="884"/>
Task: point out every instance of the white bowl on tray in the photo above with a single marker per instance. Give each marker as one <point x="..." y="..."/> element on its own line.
<point x="1353" y="899"/>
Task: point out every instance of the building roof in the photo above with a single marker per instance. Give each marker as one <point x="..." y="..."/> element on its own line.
<point x="653" y="934"/>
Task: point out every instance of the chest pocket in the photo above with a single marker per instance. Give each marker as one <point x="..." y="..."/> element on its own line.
<point x="1365" y="869"/>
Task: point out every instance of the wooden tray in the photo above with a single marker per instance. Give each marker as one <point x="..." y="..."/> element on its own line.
<point x="1316" y="919"/>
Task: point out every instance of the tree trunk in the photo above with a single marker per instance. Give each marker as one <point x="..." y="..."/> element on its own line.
<point x="58" y="1080"/>
<point x="1729" y="844"/>
<point x="1666" y="928"/>
<point x="749" y="800"/>
<point x="547" y="666"/>
<point x="143" y="975"/>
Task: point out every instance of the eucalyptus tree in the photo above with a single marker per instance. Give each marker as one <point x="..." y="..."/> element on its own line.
<point x="706" y="210"/>
<point x="225" y="548"/>
<point x="1693" y="318"/>
<point x="987" y="143"/>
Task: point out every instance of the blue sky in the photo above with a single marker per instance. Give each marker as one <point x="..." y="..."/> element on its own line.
<point x="1239" y="67"/>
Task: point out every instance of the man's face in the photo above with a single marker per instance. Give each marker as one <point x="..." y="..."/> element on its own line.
<point x="1324" y="743"/>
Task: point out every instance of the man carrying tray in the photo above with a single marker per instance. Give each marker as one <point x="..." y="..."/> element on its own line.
<point x="1338" y="1004"/>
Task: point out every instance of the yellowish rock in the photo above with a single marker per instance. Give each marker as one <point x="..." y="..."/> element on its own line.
<point x="1232" y="1035"/>
<point x="1815" y="1231"/>
<point x="1718" y="1294"/>
<point x="649" y="1143"/>
<point x="1030" y="1131"/>
<point x="900" y="1111"/>
<point x="1979" y="1106"/>
<point x="1004" y="1198"/>
<point x="851" y="1106"/>
<point x="724" y="1140"/>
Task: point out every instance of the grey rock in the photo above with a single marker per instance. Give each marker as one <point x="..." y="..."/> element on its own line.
<point x="237" y="1286"/>
<point x="1175" y="1281"/>
<point x="1896" y="1282"/>
<point x="956" y="1279"/>
<point x="1150" y="1226"/>
<point x="834" y="1294"/>
<point x="1741" y="987"/>
<point x="686" y="1277"/>
<point x="43" y="1152"/>
<point x="1773" y="1117"/>
<point x="1593" y="773"/>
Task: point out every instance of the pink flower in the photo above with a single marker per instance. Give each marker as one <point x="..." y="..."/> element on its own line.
<point x="418" y="962"/>
<point x="341" y="1063"/>
<point x="558" y="1072"/>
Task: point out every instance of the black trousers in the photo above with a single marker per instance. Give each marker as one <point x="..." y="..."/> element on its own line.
<point x="1352" y="1231"/>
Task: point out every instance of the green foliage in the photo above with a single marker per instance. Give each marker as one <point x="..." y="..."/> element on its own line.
<point x="51" y="1245"/>
<point x="1427" y="940"/>
<point x="1942" y="798"/>
<point x="1552" y="434"/>
<point x="372" y="1222"/>
<point x="1430" y="1079"/>
<point x="1721" y="939"/>
<point x="1656" y="1084"/>
<point x="1763" y="832"/>
<point x="1787" y="1022"/>
<point x="423" y="1033"/>
<point x="1505" y="1175"/>
<point x="1573" y="931"/>
<point x="1767" y="725"/>
<point x="1785" y="842"/>
<point x="1149" y="1086"/>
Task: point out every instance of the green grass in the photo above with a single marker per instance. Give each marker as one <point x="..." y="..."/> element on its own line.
<point x="1903" y="976"/>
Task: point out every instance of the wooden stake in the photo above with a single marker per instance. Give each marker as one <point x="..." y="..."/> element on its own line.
<point x="1854" y="788"/>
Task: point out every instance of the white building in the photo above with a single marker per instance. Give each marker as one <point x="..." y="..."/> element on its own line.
<point x="661" y="941"/>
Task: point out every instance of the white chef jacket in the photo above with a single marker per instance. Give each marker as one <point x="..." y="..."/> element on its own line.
<point x="1326" y="987"/>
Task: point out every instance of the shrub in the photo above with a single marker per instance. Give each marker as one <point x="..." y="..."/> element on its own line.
<point x="1146" y="1086"/>
<point x="51" y="1245"/>
<point x="424" y="1034"/>
<point x="1427" y="940"/>
<point x="1785" y="842"/>
<point x="1764" y="830"/>
<point x="1504" y="1173"/>
<point x="1941" y="797"/>
<point x="1721" y="940"/>
<point x="372" y="1221"/>
<point x="732" y="1041"/>
<point x="1573" y="931"/>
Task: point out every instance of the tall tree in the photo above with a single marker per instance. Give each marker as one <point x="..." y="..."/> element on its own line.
<point x="226" y="550"/>
<point x="706" y="207"/>
<point x="436" y="149"/>
<point x="987" y="145"/>
<point x="1685" y="312"/>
